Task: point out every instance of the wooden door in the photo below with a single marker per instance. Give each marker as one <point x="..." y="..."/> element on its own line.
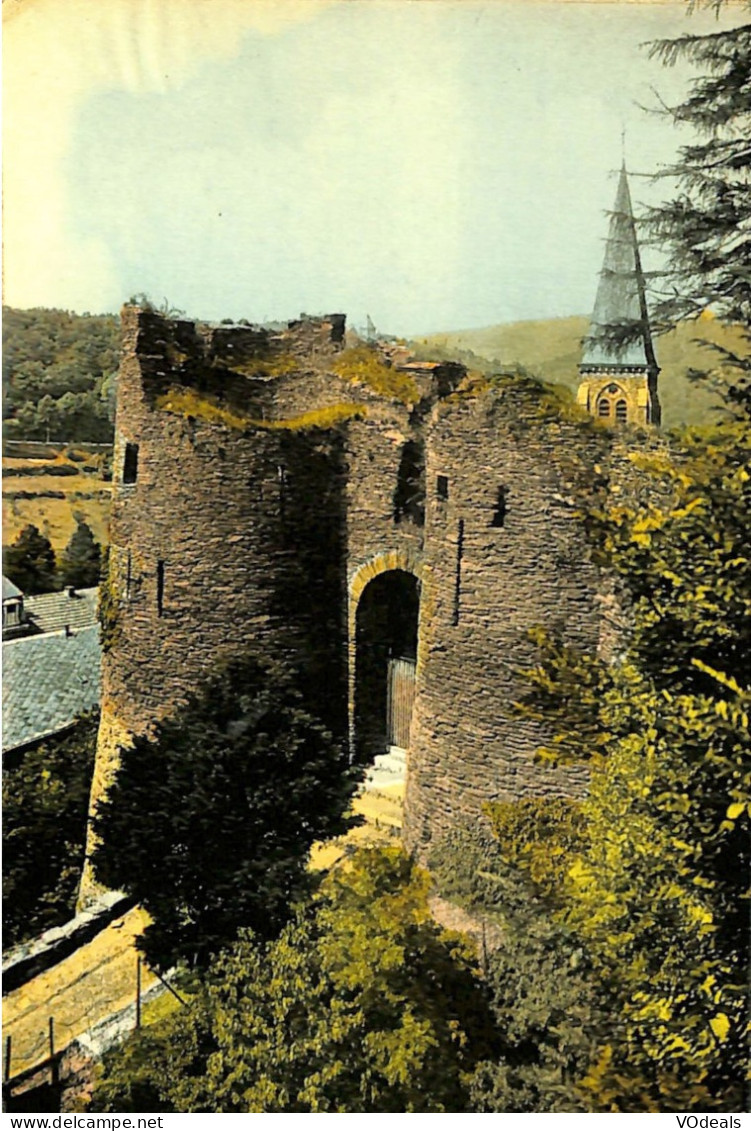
<point x="401" y="699"/>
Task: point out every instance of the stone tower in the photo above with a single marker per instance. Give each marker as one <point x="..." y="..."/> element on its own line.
<point x="272" y="492"/>
<point x="619" y="381"/>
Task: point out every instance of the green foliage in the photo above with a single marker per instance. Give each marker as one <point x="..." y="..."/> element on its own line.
<point x="363" y="365"/>
<point x="108" y="608"/>
<point x="209" y="823"/>
<point x="363" y="1004"/>
<point x="58" y="374"/>
<point x="145" y="1072"/>
<point x="470" y="869"/>
<point x="547" y="1003"/>
<point x="541" y="836"/>
<point x="703" y="229"/>
<point x="29" y="562"/>
<point x="45" y="806"/>
<point x="81" y="560"/>
<point x="686" y="566"/>
<point x="548" y="1009"/>
<point x="659" y="892"/>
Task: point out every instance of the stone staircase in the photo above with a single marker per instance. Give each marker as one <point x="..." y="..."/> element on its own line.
<point x="387" y="769"/>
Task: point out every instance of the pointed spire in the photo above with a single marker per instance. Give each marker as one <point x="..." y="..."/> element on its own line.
<point x="621" y="297"/>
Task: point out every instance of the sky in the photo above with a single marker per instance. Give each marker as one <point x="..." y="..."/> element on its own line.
<point x="436" y="164"/>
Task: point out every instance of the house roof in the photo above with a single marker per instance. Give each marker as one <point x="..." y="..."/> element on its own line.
<point x="52" y="611"/>
<point x="621" y="297"/>
<point x="48" y="680"/>
<point x="10" y="590"/>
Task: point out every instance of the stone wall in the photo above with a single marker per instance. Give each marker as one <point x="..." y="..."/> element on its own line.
<point x="249" y="530"/>
<point x="504" y="554"/>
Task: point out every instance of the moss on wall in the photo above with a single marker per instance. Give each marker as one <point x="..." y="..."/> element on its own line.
<point x="362" y="365"/>
<point x="194" y="405"/>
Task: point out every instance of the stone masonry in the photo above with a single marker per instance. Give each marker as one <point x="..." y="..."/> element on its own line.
<point x="257" y="488"/>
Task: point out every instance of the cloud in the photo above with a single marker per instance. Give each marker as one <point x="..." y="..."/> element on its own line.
<point x="57" y="53"/>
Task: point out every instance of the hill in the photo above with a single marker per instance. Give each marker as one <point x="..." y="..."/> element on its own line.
<point x="58" y="375"/>
<point x="551" y="349"/>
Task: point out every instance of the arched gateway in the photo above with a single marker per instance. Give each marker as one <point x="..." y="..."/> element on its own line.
<point x="280" y="514"/>
<point x="383" y="627"/>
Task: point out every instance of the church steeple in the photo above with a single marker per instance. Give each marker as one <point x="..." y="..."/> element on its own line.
<point x="619" y="382"/>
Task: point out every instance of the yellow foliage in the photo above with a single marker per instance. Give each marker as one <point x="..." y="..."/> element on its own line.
<point x="361" y="365"/>
<point x="275" y="366"/>
<point x="317" y="418"/>
<point x="190" y="403"/>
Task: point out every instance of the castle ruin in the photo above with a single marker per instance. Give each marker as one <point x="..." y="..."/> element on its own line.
<point x="392" y="528"/>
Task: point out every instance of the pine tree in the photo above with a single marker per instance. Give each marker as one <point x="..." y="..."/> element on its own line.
<point x="81" y="560"/>
<point x="30" y="562"/>
<point x="705" y="229"/>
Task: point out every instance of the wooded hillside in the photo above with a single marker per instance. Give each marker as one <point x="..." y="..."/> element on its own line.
<point x="59" y="375"/>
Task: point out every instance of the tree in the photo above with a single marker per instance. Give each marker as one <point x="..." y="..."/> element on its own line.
<point x="81" y="560"/>
<point x="706" y="228"/>
<point x="45" y="805"/>
<point x="659" y="893"/>
<point x="209" y="823"/>
<point x="363" y="1004"/>
<point x="29" y="562"/>
<point x="57" y="374"/>
<point x="548" y="1005"/>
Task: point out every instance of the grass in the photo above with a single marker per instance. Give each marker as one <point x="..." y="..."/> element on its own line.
<point x="274" y="366"/>
<point x="382" y="810"/>
<point x="362" y="366"/>
<point x="51" y="502"/>
<point x="551" y="349"/>
<point x="191" y="404"/>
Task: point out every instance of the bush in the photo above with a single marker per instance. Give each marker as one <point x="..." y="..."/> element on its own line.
<point x="209" y="823"/>
<point x="29" y="562"/>
<point x="45" y="807"/>
<point x="363" y="1004"/>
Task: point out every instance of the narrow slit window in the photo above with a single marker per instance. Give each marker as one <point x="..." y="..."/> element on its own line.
<point x="130" y="463"/>
<point x="283" y="488"/>
<point x="160" y="587"/>
<point x="442" y="487"/>
<point x="409" y="492"/>
<point x="458" y="577"/>
<point x="501" y="508"/>
<point x="621" y="412"/>
<point x="128" y="577"/>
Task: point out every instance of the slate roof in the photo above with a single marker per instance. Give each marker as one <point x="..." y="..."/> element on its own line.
<point x="10" y="590"/>
<point x="48" y="680"/>
<point x="52" y="611"/>
<point x="620" y="293"/>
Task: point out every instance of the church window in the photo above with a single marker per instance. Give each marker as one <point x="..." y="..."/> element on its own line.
<point x="621" y="412"/>
<point x="501" y="508"/>
<point x="442" y="487"/>
<point x="603" y="407"/>
<point x="130" y="463"/>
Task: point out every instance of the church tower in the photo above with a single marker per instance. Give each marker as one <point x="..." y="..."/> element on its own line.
<point x="619" y="382"/>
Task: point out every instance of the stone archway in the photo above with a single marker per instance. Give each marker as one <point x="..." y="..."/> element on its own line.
<point x="391" y="576"/>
